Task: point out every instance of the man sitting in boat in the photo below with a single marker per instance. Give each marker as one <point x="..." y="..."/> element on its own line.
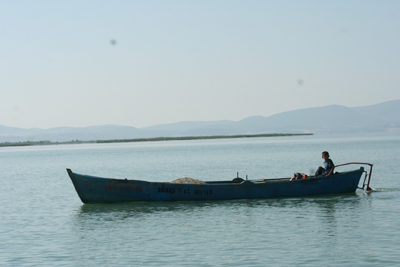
<point x="328" y="164"/>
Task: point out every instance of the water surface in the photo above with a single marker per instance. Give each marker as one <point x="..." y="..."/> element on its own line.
<point x="44" y="223"/>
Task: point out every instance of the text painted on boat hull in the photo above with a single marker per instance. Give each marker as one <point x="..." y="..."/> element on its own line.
<point x="172" y="190"/>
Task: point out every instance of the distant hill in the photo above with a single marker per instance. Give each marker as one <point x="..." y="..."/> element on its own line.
<point x="329" y="119"/>
<point x="386" y="111"/>
<point x="60" y="134"/>
<point x="332" y="118"/>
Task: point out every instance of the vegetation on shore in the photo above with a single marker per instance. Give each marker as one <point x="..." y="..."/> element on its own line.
<point x="196" y="137"/>
<point x="40" y="143"/>
<point x="43" y="143"/>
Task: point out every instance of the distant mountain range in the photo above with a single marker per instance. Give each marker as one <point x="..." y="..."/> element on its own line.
<point x="381" y="117"/>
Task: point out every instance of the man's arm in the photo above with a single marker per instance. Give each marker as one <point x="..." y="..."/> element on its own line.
<point x="331" y="171"/>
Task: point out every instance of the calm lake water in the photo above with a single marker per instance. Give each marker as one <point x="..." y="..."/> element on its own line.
<point x="44" y="223"/>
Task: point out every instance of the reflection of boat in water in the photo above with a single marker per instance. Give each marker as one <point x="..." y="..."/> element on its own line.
<point x="105" y="190"/>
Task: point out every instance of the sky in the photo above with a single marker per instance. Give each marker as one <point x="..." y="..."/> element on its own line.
<point x="143" y="63"/>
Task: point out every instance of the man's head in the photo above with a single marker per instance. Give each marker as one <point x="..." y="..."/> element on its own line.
<point x="325" y="155"/>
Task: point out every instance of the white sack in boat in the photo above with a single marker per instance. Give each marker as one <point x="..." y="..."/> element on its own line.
<point x="187" y="180"/>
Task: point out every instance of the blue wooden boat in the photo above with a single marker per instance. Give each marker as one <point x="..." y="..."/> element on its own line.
<point x="93" y="189"/>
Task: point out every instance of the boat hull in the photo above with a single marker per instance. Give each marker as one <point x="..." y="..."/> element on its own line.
<point x="93" y="189"/>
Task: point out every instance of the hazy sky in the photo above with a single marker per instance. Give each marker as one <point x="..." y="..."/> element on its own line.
<point x="141" y="63"/>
